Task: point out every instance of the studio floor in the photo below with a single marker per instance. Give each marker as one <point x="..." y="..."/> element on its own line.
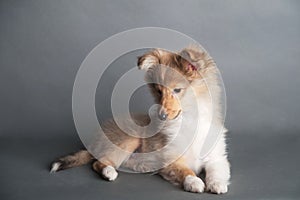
<point x="262" y="168"/>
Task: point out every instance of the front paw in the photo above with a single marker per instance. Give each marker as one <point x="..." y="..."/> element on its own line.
<point x="193" y="184"/>
<point x="217" y="187"/>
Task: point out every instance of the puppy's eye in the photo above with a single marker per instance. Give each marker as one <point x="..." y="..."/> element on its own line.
<point x="177" y="90"/>
<point x="159" y="92"/>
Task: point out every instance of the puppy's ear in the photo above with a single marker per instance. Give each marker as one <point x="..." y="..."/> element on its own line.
<point x="148" y="60"/>
<point x="193" y="59"/>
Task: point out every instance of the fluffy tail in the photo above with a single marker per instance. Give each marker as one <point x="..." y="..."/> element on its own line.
<point x="73" y="160"/>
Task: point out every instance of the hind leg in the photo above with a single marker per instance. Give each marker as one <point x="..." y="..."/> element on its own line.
<point x="107" y="164"/>
<point x="73" y="160"/>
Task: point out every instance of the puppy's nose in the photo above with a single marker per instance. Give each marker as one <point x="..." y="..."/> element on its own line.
<point x="163" y="115"/>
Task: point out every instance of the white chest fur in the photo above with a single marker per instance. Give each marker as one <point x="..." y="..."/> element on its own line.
<point x="191" y="131"/>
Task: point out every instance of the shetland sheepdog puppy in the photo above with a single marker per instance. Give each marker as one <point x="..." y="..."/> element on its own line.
<point x="179" y="83"/>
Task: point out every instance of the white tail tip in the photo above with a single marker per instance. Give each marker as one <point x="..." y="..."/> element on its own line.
<point x="55" y="167"/>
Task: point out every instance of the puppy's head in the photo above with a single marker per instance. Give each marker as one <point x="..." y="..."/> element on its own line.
<point x="169" y="75"/>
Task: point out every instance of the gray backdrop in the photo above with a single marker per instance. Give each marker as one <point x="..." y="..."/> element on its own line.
<point x="42" y="44"/>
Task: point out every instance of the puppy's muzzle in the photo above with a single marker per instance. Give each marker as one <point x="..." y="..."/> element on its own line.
<point x="163" y="115"/>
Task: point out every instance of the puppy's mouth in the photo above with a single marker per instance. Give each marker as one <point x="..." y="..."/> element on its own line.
<point x="178" y="114"/>
<point x="165" y="116"/>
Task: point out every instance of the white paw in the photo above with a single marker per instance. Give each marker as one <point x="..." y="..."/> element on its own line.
<point x="109" y="173"/>
<point x="193" y="184"/>
<point x="217" y="187"/>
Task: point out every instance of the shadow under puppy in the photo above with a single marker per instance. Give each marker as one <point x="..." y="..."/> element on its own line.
<point x="185" y="101"/>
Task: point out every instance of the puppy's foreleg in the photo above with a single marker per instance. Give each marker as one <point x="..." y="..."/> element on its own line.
<point x="217" y="175"/>
<point x="179" y="173"/>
